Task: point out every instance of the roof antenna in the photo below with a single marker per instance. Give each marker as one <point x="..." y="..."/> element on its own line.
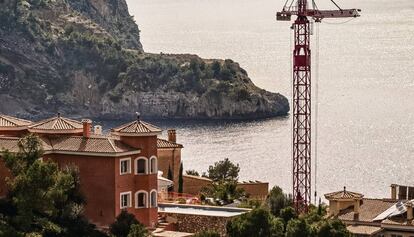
<point x="344" y="188"/>
<point x="138" y="115"/>
<point x="58" y="114"/>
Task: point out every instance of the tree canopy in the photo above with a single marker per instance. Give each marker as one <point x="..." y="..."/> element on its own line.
<point x="259" y="223"/>
<point x="278" y="219"/>
<point x="224" y="171"/>
<point x="277" y="200"/>
<point x="333" y="228"/>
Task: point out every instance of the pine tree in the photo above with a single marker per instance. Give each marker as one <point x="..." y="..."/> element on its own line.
<point x="170" y="177"/>
<point x="180" y="179"/>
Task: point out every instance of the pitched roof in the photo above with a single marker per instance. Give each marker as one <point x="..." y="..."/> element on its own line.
<point x="12" y="122"/>
<point x="401" y="221"/>
<point x="137" y="127"/>
<point x="12" y="144"/>
<point x="94" y="146"/>
<point x="9" y="143"/>
<point x="161" y="143"/>
<point x="363" y="229"/>
<point x="368" y="210"/>
<point x="343" y="195"/>
<point x="57" y="124"/>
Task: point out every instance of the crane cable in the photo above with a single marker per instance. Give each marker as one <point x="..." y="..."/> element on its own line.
<point x="291" y="91"/>
<point x="316" y="109"/>
<point x="338" y="23"/>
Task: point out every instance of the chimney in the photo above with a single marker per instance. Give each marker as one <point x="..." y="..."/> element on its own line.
<point x="172" y="135"/>
<point x="410" y="213"/>
<point x="87" y="123"/>
<point x="97" y="130"/>
<point x="357" y="203"/>
<point x="394" y="191"/>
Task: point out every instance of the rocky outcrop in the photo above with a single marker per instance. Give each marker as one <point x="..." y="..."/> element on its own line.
<point x="113" y="16"/>
<point x="190" y="105"/>
<point x="84" y="58"/>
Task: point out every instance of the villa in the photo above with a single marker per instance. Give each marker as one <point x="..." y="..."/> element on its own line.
<point x="118" y="170"/>
<point x="387" y="217"/>
<point x="126" y="168"/>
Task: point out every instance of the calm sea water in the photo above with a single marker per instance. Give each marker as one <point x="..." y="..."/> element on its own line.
<point x="365" y="88"/>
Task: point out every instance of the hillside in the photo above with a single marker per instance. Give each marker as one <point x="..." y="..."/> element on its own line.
<point x="84" y="58"/>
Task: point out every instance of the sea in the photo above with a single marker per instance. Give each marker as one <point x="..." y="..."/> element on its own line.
<point x="363" y="84"/>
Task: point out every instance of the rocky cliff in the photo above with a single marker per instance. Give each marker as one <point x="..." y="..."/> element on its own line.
<point x="85" y="58"/>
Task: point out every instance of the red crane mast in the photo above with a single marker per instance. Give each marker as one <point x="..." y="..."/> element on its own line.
<point x="301" y="104"/>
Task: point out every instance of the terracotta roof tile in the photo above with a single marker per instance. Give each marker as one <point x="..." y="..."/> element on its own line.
<point x="363" y="229"/>
<point x="402" y="221"/>
<point x="8" y="121"/>
<point x="342" y="195"/>
<point x="92" y="144"/>
<point x="57" y="123"/>
<point x="9" y="143"/>
<point x="137" y="127"/>
<point x="161" y="143"/>
<point x="99" y="145"/>
<point x="369" y="209"/>
<point x="12" y="144"/>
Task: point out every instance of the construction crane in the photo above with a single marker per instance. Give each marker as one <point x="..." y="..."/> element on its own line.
<point x="302" y="90"/>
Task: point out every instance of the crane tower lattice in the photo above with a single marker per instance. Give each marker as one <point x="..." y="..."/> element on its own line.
<point x="301" y="102"/>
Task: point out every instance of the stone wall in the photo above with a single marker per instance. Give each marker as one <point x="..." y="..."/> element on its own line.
<point x="196" y="223"/>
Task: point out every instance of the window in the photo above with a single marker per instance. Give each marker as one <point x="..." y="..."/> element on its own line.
<point x="153" y="198"/>
<point x="141" y="199"/>
<point x="153" y="165"/>
<point x="141" y="165"/>
<point x="125" y="166"/>
<point x="125" y="200"/>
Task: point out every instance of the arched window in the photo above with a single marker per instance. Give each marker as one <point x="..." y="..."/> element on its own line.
<point x="141" y="165"/>
<point x="153" y="165"/>
<point x="153" y="198"/>
<point x="141" y="199"/>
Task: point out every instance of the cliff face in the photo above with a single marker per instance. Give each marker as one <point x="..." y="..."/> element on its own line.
<point x="113" y="16"/>
<point x="84" y="58"/>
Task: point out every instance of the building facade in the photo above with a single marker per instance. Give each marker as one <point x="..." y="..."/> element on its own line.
<point x="118" y="170"/>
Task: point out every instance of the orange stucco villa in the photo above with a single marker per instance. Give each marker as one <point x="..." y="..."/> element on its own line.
<point x="118" y="170"/>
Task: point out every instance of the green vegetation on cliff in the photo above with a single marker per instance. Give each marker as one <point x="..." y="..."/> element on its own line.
<point x="84" y="57"/>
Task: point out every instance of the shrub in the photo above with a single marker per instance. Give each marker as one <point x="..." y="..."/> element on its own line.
<point x="297" y="228"/>
<point x="181" y="201"/>
<point x="288" y="214"/>
<point x="333" y="228"/>
<point x="243" y="94"/>
<point x="192" y="172"/>
<point x="123" y="223"/>
<point x="207" y="233"/>
<point x="138" y="230"/>
<point x="258" y="223"/>
<point x="216" y="67"/>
